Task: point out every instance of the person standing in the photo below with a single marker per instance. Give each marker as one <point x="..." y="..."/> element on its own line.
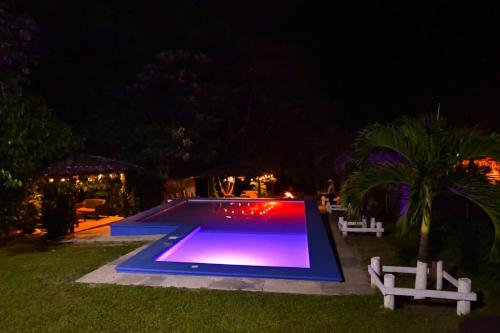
<point x="330" y="192"/>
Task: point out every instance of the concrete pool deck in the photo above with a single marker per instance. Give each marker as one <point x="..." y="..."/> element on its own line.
<point x="356" y="278"/>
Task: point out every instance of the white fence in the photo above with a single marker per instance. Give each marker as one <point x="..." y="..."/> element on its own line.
<point x="464" y="296"/>
<point x="348" y="226"/>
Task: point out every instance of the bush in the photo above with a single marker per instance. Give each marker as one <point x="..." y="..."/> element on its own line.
<point x="58" y="209"/>
<point x="21" y="204"/>
<point x="30" y="210"/>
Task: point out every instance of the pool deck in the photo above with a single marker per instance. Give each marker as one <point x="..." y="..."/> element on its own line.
<point x="356" y="278"/>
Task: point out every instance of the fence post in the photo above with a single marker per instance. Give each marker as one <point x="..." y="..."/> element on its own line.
<point x="375" y="265"/>
<point x="344" y="228"/>
<point x="328" y="207"/>
<point x="439" y="275"/>
<point x="372" y="222"/>
<point x="363" y="222"/>
<point x="389" y="300"/>
<point x="421" y="278"/>
<point x="379" y="226"/>
<point x="341" y="220"/>
<point x="464" y="286"/>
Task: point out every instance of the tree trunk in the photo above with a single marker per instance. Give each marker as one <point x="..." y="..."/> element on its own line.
<point x="423" y="249"/>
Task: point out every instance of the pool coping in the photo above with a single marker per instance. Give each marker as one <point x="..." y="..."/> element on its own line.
<point x="323" y="259"/>
<point x="356" y="278"/>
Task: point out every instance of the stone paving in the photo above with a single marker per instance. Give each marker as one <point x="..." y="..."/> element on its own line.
<point x="91" y="224"/>
<point x="356" y="278"/>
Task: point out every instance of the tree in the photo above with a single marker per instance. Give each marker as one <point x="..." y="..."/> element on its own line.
<point x="428" y="161"/>
<point x="30" y="137"/>
<point x="169" y="119"/>
<point x="30" y="134"/>
<point x="18" y="50"/>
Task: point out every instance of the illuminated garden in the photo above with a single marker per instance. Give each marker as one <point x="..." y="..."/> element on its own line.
<point x="193" y="166"/>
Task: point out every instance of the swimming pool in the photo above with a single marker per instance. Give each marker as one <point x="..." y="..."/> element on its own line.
<point x="242" y="237"/>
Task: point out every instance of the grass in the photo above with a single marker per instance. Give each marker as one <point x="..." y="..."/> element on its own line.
<point x="38" y="294"/>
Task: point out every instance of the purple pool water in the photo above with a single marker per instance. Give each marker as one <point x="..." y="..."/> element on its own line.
<point x="212" y="247"/>
<point x="241" y="233"/>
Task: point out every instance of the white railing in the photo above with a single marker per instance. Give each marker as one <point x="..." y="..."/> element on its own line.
<point x="464" y="296"/>
<point x="362" y="226"/>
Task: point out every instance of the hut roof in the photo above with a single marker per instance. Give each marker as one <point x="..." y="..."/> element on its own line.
<point x="83" y="164"/>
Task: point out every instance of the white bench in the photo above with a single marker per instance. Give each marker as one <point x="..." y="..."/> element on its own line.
<point x="349" y="226"/>
<point x="338" y="208"/>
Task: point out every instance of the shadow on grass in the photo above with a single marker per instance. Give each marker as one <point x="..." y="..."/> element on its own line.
<point x="20" y="245"/>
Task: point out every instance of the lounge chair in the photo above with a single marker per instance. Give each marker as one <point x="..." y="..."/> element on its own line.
<point x="91" y="208"/>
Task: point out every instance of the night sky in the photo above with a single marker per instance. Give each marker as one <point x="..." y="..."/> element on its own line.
<point x="366" y="61"/>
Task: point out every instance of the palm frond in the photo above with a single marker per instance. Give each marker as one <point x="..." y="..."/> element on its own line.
<point x="412" y="203"/>
<point x="469" y="144"/>
<point x="476" y="188"/>
<point x="360" y="183"/>
<point x="378" y="136"/>
<point x="416" y="139"/>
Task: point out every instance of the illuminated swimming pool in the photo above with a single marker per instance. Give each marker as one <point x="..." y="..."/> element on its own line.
<point x="244" y="238"/>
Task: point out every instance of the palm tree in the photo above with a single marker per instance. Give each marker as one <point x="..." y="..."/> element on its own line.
<point x="427" y="161"/>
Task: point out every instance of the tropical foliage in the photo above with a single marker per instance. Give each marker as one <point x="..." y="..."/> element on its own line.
<point x="30" y="133"/>
<point x="423" y="156"/>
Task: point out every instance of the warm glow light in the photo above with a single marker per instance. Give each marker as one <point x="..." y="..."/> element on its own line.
<point x="493" y="173"/>
<point x="51" y="180"/>
<point x="63" y="180"/>
<point x="288" y="195"/>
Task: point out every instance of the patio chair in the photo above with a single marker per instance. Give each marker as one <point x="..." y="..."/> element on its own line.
<point x="91" y="208"/>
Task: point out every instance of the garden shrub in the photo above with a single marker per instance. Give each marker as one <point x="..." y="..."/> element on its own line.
<point x="58" y="209"/>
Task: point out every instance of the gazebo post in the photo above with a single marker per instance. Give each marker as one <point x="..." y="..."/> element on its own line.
<point x="258" y="187"/>
<point x="123" y="180"/>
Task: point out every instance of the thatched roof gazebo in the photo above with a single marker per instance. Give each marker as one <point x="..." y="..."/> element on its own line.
<point x="83" y="164"/>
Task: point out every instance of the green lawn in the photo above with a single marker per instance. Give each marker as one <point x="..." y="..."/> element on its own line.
<point x="38" y="294"/>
